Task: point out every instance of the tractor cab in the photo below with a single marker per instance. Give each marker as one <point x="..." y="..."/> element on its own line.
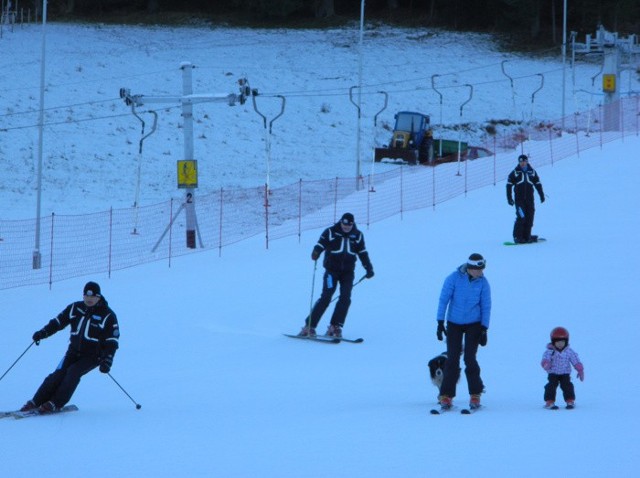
<point x="412" y="139"/>
<point x="410" y="129"/>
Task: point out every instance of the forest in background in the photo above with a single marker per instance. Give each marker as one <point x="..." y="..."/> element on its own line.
<point x="535" y="21"/>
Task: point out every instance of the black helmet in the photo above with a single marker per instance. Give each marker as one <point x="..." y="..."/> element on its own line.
<point x="560" y="333"/>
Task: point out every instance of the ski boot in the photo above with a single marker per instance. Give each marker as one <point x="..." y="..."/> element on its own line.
<point x="30" y="405"/>
<point x="445" y="402"/>
<point x="48" y="407"/>
<point x="307" y="332"/>
<point x="334" y="331"/>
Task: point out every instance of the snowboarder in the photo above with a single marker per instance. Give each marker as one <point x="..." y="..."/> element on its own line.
<point x="465" y="302"/>
<point x="93" y="343"/>
<point x="341" y="243"/>
<point x="521" y="181"/>
<point x="557" y="361"/>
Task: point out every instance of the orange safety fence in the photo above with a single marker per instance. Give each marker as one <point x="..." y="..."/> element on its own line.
<point x="78" y="245"/>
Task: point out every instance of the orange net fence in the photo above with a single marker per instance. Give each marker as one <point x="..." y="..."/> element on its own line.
<point x="116" y="239"/>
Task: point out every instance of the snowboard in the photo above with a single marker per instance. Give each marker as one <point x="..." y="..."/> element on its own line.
<point x="511" y="243"/>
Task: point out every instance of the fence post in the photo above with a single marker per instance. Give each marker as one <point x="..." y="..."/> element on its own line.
<point x="220" y="227"/>
<point x="51" y="253"/>
<point x="335" y="202"/>
<point x="601" y="127"/>
<point x="299" y="210"/>
<point x="621" y="118"/>
<point x="266" y="213"/>
<point x="551" y="144"/>
<point x="401" y="192"/>
<point x="369" y="191"/>
<point x="170" y="229"/>
<point x="110" y="240"/>
<point x="575" y="117"/>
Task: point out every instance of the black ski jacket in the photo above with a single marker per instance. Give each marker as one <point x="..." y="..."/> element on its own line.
<point x="522" y="183"/>
<point x="341" y="248"/>
<point x="94" y="330"/>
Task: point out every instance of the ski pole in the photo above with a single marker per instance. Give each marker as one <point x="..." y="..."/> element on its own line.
<point x="138" y="406"/>
<point x="360" y="280"/>
<point x="21" y="355"/>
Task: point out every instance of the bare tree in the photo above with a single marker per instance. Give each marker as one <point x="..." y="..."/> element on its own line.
<point x="152" y="6"/>
<point x="324" y="8"/>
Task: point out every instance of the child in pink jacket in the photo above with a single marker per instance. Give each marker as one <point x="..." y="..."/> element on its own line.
<point x="557" y="361"/>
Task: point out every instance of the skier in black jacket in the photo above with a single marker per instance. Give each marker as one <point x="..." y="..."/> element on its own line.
<point x="521" y="181"/>
<point x="341" y="243"/>
<point x="93" y="342"/>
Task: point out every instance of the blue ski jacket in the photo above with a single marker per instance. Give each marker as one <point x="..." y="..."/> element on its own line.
<point x="464" y="300"/>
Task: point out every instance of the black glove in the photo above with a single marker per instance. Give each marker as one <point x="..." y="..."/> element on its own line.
<point x="314" y="255"/>
<point x="441" y="330"/>
<point x="39" y="335"/>
<point x="370" y="273"/>
<point x="542" y="198"/>
<point x="510" y="201"/>
<point x="483" y="337"/>
<point x="105" y="363"/>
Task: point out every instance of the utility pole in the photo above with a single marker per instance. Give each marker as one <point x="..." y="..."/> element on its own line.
<point x="188" y="165"/>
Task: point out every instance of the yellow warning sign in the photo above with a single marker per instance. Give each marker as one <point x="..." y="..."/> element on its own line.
<point x="609" y="83"/>
<point x="187" y="173"/>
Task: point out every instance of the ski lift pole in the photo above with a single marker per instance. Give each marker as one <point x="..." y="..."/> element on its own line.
<point x="593" y="86"/>
<point x="136" y="203"/>
<point x="533" y="95"/>
<point x="460" y="126"/>
<point x="513" y="91"/>
<point x="433" y="86"/>
<point x="375" y="123"/>
<point x="357" y="105"/>
<point x="268" y="131"/>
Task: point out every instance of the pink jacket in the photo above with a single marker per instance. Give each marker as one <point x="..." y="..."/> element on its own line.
<point x="560" y="362"/>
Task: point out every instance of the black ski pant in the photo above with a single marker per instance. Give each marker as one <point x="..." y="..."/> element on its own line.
<point x="564" y="380"/>
<point x="525" y="212"/>
<point x="330" y="283"/>
<point x="456" y="334"/>
<point x="59" y="386"/>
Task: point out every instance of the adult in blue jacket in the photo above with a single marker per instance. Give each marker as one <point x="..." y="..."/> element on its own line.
<point x="465" y="304"/>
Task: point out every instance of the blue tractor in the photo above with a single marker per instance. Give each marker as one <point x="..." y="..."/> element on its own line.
<point x="412" y="139"/>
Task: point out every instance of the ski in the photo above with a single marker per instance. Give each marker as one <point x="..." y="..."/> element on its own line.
<point x="18" y="415"/>
<point x="511" y="243"/>
<point x="570" y="407"/>
<point x="470" y="410"/>
<point x="435" y="411"/>
<point x="343" y="339"/>
<point x="553" y="407"/>
<point x="317" y="338"/>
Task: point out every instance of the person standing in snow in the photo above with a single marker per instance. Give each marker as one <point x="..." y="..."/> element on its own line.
<point x="465" y="303"/>
<point x="557" y="361"/>
<point x="341" y="243"/>
<point x="93" y="343"/>
<point x="521" y="182"/>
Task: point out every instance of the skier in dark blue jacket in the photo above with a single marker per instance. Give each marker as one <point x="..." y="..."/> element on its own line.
<point x="93" y="343"/>
<point x="341" y="243"/>
<point x="521" y="182"/>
